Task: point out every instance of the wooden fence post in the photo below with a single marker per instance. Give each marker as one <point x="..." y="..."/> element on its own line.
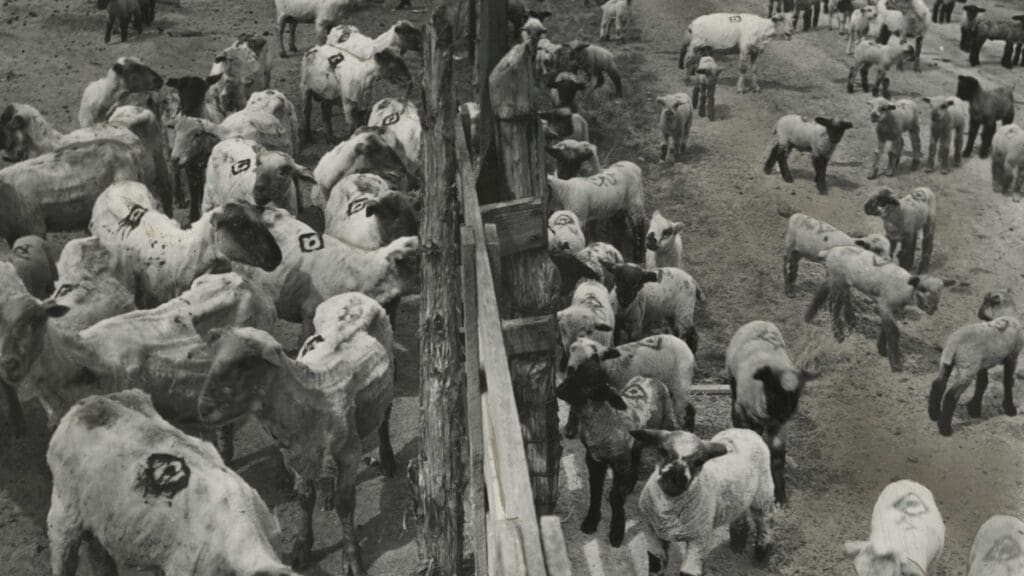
<point x="442" y="380"/>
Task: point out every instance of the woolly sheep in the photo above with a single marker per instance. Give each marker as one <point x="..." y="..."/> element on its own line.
<point x="614" y="12"/>
<point x="819" y="137"/>
<point x="987" y="107"/>
<point x="655" y="300"/>
<point x="968" y="25"/>
<point x="868" y="54"/>
<point x="808" y="237"/>
<point x="997" y="546"/>
<point x="664" y="243"/>
<point x="861" y="21"/>
<point x="950" y="116"/>
<point x="574" y="158"/>
<point x="564" y="87"/>
<point x="674" y="122"/>
<point x="722" y="32"/>
<point x="323" y="13"/>
<point x="607" y="415"/>
<point x="704" y="90"/>
<point x="907" y="533"/>
<point x="616" y="189"/>
<point x="892" y="120"/>
<point x="565" y="232"/>
<point x="400" y="121"/>
<point x="401" y="36"/>
<point x="698" y="486"/>
<point x="904" y="217"/>
<point x="241" y="170"/>
<point x="915" y="19"/>
<point x="126" y="75"/>
<point x="1008" y="161"/>
<point x="766" y="388"/>
<point x="122" y="475"/>
<point x="34" y="259"/>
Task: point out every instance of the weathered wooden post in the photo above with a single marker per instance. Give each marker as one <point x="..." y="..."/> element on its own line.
<point x="442" y="381"/>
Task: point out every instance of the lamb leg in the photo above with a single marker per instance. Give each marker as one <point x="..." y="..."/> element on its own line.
<point x="739" y="531"/>
<point x="623" y="481"/>
<point x="1009" y="371"/>
<point x="987" y="132"/>
<point x="895" y="153"/>
<point x="773" y="157"/>
<point x="64" y="530"/>
<point x="777" y="447"/>
<point x="938" y="389"/>
<point x="893" y="341"/>
<point x="784" y="165"/>
<point x="597" y="471"/>
<point x="929" y="165"/>
<point x="927" y="245"/>
<point x="14" y="410"/>
<point x="908" y="245"/>
<point x="981" y="384"/>
<point x="949" y="402"/>
<point x="388" y="466"/>
<point x="972" y="133"/>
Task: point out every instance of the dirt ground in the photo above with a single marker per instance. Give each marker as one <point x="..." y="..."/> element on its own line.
<point x="860" y="427"/>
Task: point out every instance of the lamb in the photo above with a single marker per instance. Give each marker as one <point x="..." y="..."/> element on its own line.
<point x="617" y="12"/>
<point x="122" y="475"/>
<point x="616" y="189"/>
<point x="766" y="387"/>
<point x="194" y="138"/>
<point x="123" y="12"/>
<point x="240" y="70"/>
<point x="317" y="407"/>
<point x="1008" y="161"/>
<point x="125" y="76"/>
<point x="664" y="244"/>
<point x="607" y="415"/>
<point x="365" y="212"/>
<point x="993" y="548"/>
<point x="891" y="286"/>
<point x="968" y="26"/>
<point x="969" y="353"/>
<point x="564" y="88"/>
<point x="699" y="486"/>
<point x="159" y="259"/>
<point x="722" y="32"/>
<point x="532" y="30"/>
<point x="915" y="18"/>
<point x="987" y="107"/>
<point x="808" y="237"/>
<point x="563" y="123"/>
<point x="33" y="259"/>
<point x="891" y="120"/>
<point x="861" y="21"/>
<point x="329" y="76"/>
<point x="565" y="232"/>
<point x="279" y="106"/>
<point x="674" y="123"/>
<point x="904" y="218"/>
<point x="365" y="152"/>
<point x="653" y="300"/>
<point x="950" y="116"/>
<point x="869" y="53"/>
<point x="241" y="170"/>
<point x="907" y="533"/>
<point x="403" y="36"/>
<point x="590" y="315"/>
<point x="402" y="131"/>
<point x="574" y="158"/>
<point x="704" y="90"/>
<point x="323" y="13"/>
<point x="997" y="304"/>
<point x="819" y="137"/>
<point x="1010" y="31"/>
<point x="594" y="261"/>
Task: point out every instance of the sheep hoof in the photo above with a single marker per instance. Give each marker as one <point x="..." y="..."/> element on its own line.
<point x="872" y="176"/>
<point x="589" y="525"/>
<point x="616" y="536"/>
<point x="283" y="54"/>
<point x="762" y="553"/>
<point x="1009" y="409"/>
<point x="945" y="429"/>
<point x="788" y="179"/>
<point x="974" y="410"/>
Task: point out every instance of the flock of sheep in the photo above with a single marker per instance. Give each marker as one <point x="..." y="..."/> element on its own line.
<point x="146" y="322"/>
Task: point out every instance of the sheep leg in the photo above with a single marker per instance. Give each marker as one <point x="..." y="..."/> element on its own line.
<point x="739" y="531"/>
<point x="1007" y="59"/>
<point x="1009" y="371"/>
<point x="938" y="389"/>
<point x="784" y="164"/>
<point x="915" y="144"/>
<point x="817" y="14"/>
<point x="623" y="481"/>
<point x="961" y="379"/>
<point x="987" y="132"/>
<point x="958" y="146"/>
<point x="325" y="114"/>
<point x="307" y="112"/>
<point x="698" y="98"/>
<point x="110" y="29"/>
<point x="572" y="423"/>
<point x="741" y="83"/>
<point x="895" y="153"/>
<point x="1001" y="180"/>
<point x="292" y="23"/>
<point x="300" y="555"/>
<point x="664" y="146"/>
<point x="14" y="410"/>
<point x="972" y="133"/>
<point x="101" y="562"/>
<point x="773" y="157"/>
<point x="657" y="552"/>
<point x="754" y="54"/>
<point x="864" y="68"/>
<point x="929" y="165"/>
<point x="280" y="36"/>
<point x="777" y="447"/>
<point x="64" y="529"/>
<point x="709" y="97"/>
<point x="850" y="78"/>
<point x="388" y="466"/>
<point x="837" y="303"/>
<point x="790" y="267"/>
<point x="927" y="245"/>
<point x="937" y="12"/>
<point x="883" y="84"/>
<point x="689" y="419"/>
<point x="820" y="166"/>
<point x="123" y="23"/>
<point x="918" y="44"/>
<point x="879" y="148"/>
<point x="974" y="59"/>
<point x="908" y="245"/>
<point x="196" y="176"/>
<point x="980" y="385"/>
<point x="597" y="471"/>
<point x="893" y="341"/>
<point x="348" y="465"/>
<point x="819" y="298"/>
<point x="764" y="533"/>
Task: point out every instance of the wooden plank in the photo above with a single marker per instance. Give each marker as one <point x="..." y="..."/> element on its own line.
<point x="474" y="418"/>
<point x="510" y="548"/>
<point x="555" y="555"/>
<point x="529" y="335"/>
<point x="711" y="389"/>
<point x="492" y="548"/>
<point x="494" y="252"/>
<point x="521" y="224"/>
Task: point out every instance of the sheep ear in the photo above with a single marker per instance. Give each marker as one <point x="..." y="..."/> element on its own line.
<point x="649" y="437"/>
<point x="612" y="397"/>
<point x="602" y="327"/>
<point x="807" y="376"/>
<point x="711" y="450"/>
<point x="118" y="68"/>
<point x="677" y="227"/>
<point x="852" y="548"/>
<point x="53" y="310"/>
<point x="272" y="352"/>
<point x="827" y="122"/>
<point x="304" y="173"/>
<point x="948" y="282"/>
<point x="649" y="276"/>
<point x="211" y="80"/>
<point x="914" y="280"/>
<point x="610" y="354"/>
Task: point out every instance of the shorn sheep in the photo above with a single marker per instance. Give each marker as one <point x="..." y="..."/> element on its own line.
<point x="616" y="190"/>
<point x="987" y="107"/>
<point x="674" y="122"/>
<point x="807" y="238"/>
<point x="950" y="116"/>
<point x="766" y="388"/>
<point x="698" y="486"/>
<point x="35" y="261"/>
<point x="904" y="218"/>
<point x="819" y="137"/>
<point x="241" y="170"/>
<point x="996" y="548"/>
<point x="870" y="54"/>
<point x="724" y="32"/>
<point x="704" y="90"/>
<point x="1008" y="161"/>
<point x="907" y="534"/>
<point x="892" y="120"/>
<point x="101" y="96"/>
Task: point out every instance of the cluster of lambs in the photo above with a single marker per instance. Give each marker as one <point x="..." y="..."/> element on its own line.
<point x="146" y="323"/>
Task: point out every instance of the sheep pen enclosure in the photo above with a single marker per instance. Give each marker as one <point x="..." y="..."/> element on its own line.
<point x="860" y="426"/>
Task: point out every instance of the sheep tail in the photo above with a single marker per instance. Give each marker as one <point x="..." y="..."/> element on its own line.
<point x="820" y="297"/>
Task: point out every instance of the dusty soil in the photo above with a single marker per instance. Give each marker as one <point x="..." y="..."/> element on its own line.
<point x="861" y="425"/>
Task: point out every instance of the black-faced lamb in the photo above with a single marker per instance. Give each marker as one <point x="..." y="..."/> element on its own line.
<point x="240" y="70"/>
<point x="35" y="262"/>
<point x="674" y="122"/>
<point x="656" y="300"/>
<point x="615" y="190"/>
<point x="868" y="54"/>
<point x="144" y="494"/>
<point x="861" y="21"/>
<point x="950" y="117"/>
<point x="1010" y="31"/>
<point x="402" y="36"/>
<point x="819" y="137"/>
<point x="615" y="12"/>
<point x="595" y="261"/>
<point x="997" y="304"/>
<point x="724" y="32"/>
<point x="574" y="158"/>
<point x="323" y="13"/>
<point x="904" y="218"/>
<point x="699" y="486"/>
<point x="123" y="12"/>
<point x="907" y="533"/>
<point x="892" y="120"/>
<point x="192" y="96"/>
<point x="807" y="238"/>
<point x="565" y="86"/>
<point x="565" y="234"/>
<point x="987" y="107"/>
<point x="997" y="547"/>
<point x="563" y="123"/>
<point x="1008" y="161"/>
<point x="126" y="75"/>
<point x="704" y="89"/>
<point x="968" y="25"/>
<point x="664" y="243"/>
<point x="766" y="388"/>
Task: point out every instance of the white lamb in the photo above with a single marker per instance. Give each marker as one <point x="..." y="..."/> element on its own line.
<point x="1008" y="161"/>
<point x="724" y="32"/>
<point x="891" y="120"/>
<point x="699" y="486"/>
<point x="861" y="22"/>
<point x="590" y="315"/>
<point x="907" y="533"/>
<point x="674" y="122"/>
<point x="402" y="130"/>
<point x="126" y="75"/>
<point x="950" y="117"/>
<point x="565" y="232"/>
<point x="614" y="12"/>
<point x="401" y="36"/>
<point x="574" y="158"/>
<point x="617" y="189"/>
<point x="868" y="54"/>
<point x="664" y="243"/>
<point x="808" y="237"/>
<point x="241" y="170"/>
<point x="996" y="548"/>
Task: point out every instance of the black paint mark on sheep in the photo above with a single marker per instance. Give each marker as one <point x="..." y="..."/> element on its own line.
<point x="391" y="119"/>
<point x="335" y="59"/>
<point x="311" y="242"/>
<point x="563" y="220"/>
<point x="131" y="221"/>
<point x="310" y="345"/>
<point x="64" y="290"/>
<point x="653" y="342"/>
<point x="21" y="251"/>
<point x="911" y="505"/>
<point x="164" y="475"/>
<point x="240" y="166"/>
<point x="735" y="18"/>
<point x="357" y="205"/>
<point x="603" y="179"/>
<point x="1004" y="550"/>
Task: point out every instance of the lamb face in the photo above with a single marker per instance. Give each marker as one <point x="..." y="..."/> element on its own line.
<point x="883" y="200"/>
<point x="629" y="280"/>
<point x="23" y="324"/>
<point x="682" y="456"/>
<point x="136" y="76"/>
<point x="834" y="127"/>
<point x="782" y="25"/>
<point x="927" y="290"/>
<point x="15" y="122"/>
<point x="191" y="138"/>
<point x="589" y="382"/>
<point x="661" y="232"/>
<point x="880" y="107"/>
<point x="875" y="243"/>
<point x="997" y="304"/>
<point x="275" y="174"/>
<point x="234" y="384"/>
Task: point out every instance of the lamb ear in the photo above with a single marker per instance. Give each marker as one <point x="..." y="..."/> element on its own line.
<point x="852" y="548"/>
<point x="602" y="327"/>
<point x="711" y="450"/>
<point x="303" y="173"/>
<point x="610" y="354"/>
<point x="827" y="122"/>
<point x="211" y="80"/>
<point x="678" y="227"/>
<point x="914" y="280"/>
<point x="650" y="437"/>
<point x="612" y="397"/>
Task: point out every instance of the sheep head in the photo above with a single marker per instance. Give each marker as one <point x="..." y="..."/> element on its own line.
<point x="782" y="25"/>
<point x="574" y="324"/>
<point x="570" y="270"/>
<point x="410" y="38"/>
<point x="940" y="106"/>
<point x="570" y="155"/>
<point x="629" y="280"/>
<point x="15" y="124"/>
<point x="192" y="92"/>
<point x="23" y="323"/>
<point x="661" y="231"/>
<point x="927" y="290"/>
<point x="997" y="304"/>
<point x="193" y="138"/>
<point x="834" y="127"/>
<point x="372" y="154"/>
<point x="907" y="51"/>
<point x="136" y="76"/>
<point x="276" y="173"/>
<point x="392" y="68"/>
<point x="972" y="11"/>
<point x="682" y="456"/>
<point x="241" y="235"/>
<point x="564" y="232"/>
<point x="585" y="379"/>
<point x="237" y="378"/>
<point x="881" y="202"/>
<point x="870" y="561"/>
<point x="396" y="215"/>
<point x="875" y="243"/>
<point x="967" y="87"/>
<point x="880" y="107"/>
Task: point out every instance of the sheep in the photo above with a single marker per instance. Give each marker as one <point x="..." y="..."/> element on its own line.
<point x="986" y="108"/>
<point x="122" y="475"/>
<point x="616" y="189"/>
<point x="195" y="138"/>
<point x="916" y="17"/>
<point x="950" y="116"/>
<point x="589" y="315"/>
<point x="565" y="232"/>
<point x="323" y="13"/>
<point x="698" y="486"/>
<point x="704" y="90"/>
<point x="968" y="25"/>
<point x="564" y="87"/>
<point x="819" y="137"/>
<point x="574" y="158"/>
<point x="891" y="286"/>
<point x="329" y="76"/>
<point x="318" y="408"/>
<point x="1008" y="161"/>
<point x="25" y="133"/>
<point x="279" y="106"/>
<point x="1011" y="31"/>
<point x="891" y="120"/>
<point x="889" y="20"/>
<point x="861" y="21"/>
<point x="903" y="218"/>
<point x="123" y="12"/>
<point x="365" y="152"/>
<point x="969" y="353"/>
<point x="721" y="32"/>
<point x="607" y="415"/>
<point x="654" y="300"/>
<point x="241" y="170"/>
<point x="907" y="533"/>
<point x="593" y="261"/>
<point x="160" y="259"/>
<point x="532" y="30"/>
<point x="997" y="546"/>
<point x="88" y="285"/>
<point x="563" y="123"/>
<point x="239" y="71"/>
<point x="11" y="288"/>
<point x="942" y="11"/>
<point x="402" y="130"/>
<point x="365" y="212"/>
<point x="674" y="123"/>
<point x="34" y="259"/>
<point x="192" y="96"/>
<point x="766" y="387"/>
<point x="997" y="304"/>
<point x="808" y="237"/>
<point x="125" y="76"/>
<point x="664" y="243"/>
<point x="614" y="12"/>
<point x="869" y="53"/>
<point x="402" y="36"/>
